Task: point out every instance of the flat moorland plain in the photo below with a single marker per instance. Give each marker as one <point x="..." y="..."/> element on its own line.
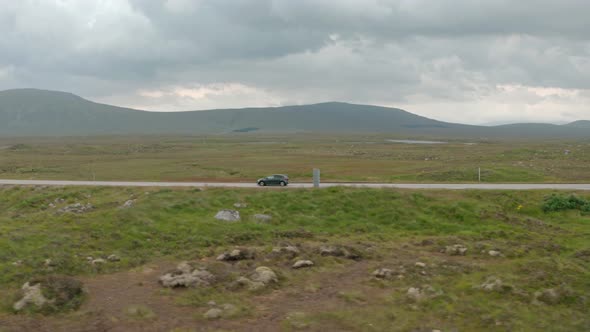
<point x="526" y="266"/>
<point x="246" y="157"/>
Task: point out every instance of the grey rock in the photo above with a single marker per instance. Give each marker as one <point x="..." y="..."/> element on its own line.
<point x="339" y="251"/>
<point x="552" y="296"/>
<point x="383" y="273"/>
<point x="53" y="292"/>
<point x="288" y="250"/>
<point x="456" y="250"/>
<point x="492" y="284"/>
<point x="418" y="294"/>
<point x="128" y="204"/>
<point x="262" y="218"/>
<point x="236" y="255"/>
<point x="213" y="313"/>
<point x="251" y="285"/>
<point x="113" y="258"/>
<point x="414" y="294"/>
<point x="228" y="215"/>
<point x="240" y="205"/>
<point x="31" y="295"/>
<point x="98" y="261"/>
<point x="229" y="309"/>
<point x="187" y="276"/>
<point x="265" y="275"/>
<point x="77" y="208"/>
<point x="184" y="267"/>
<point x="494" y="253"/>
<point x="302" y="263"/>
<point x="262" y="277"/>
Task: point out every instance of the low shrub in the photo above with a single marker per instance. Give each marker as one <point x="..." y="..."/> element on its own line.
<point x="556" y="203"/>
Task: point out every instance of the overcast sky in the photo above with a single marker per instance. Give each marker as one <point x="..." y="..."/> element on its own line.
<point x="470" y="61"/>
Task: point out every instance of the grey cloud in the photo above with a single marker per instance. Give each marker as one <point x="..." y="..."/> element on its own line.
<point x="374" y="51"/>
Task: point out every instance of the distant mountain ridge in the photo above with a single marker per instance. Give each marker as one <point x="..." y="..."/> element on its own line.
<point x="31" y="112"/>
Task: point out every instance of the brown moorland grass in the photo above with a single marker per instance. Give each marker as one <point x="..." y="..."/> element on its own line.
<point x="246" y="157"/>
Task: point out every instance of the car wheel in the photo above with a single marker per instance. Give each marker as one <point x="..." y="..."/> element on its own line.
<point x="261" y="183"/>
<point x="283" y="183"/>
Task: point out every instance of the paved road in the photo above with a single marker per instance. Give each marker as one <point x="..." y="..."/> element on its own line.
<point x="451" y="186"/>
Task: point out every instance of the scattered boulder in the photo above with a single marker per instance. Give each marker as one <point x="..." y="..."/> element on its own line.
<point x="113" y="258"/>
<point x="225" y="310"/>
<point x="265" y="275"/>
<point x="302" y="263"/>
<point x="287" y="250"/>
<point x="418" y="294"/>
<point x="228" y="215"/>
<point x="415" y="294"/>
<point x="262" y="218"/>
<point x="77" y="208"/>
<point x="493" y="284"/>
<point x="213" y="313"/>
<point x="17" y="263"/>
<point x="31" y="295"/>
<point x="48" y="263"/>
<point x="128" y="204"/>
<point x="229" y="309"/>
<point x="262" y="277"/>
<point x="51" y="294"/>
<point x="494" y="253"/>
<point x="383" y="273"/>
<point x="553" y="296"/>
<point x="186" y="276"/>
<point x="420" y="264"/>
<point x="455" y="250"/>
<point x="340" y="251"/>
<point x="236" y="255"/>
<point x="240" y="205"/>
<point x="98" y="261"/>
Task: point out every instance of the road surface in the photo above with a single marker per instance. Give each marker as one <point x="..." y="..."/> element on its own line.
<point x="450" y="186"/>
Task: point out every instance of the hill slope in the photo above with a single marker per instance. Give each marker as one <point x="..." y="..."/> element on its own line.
<point x="580" y="124"/>
<point x="30" y="112"/>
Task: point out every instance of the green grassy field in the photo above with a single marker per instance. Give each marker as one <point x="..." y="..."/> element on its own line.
<point x="247" y="157"/>
<point x="390" y="228"/>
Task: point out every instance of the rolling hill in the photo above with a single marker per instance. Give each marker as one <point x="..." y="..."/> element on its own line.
<point x="30" y="112"/>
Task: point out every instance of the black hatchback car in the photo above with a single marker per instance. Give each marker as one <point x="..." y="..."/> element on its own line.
<point x="274" y="180"/>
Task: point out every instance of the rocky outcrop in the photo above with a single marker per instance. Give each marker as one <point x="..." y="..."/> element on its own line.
<point x="50" y="294"/>
<point x="186" y="275"/>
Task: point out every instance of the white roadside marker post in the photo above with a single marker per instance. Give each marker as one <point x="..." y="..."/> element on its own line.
<point x="316" y="177"/>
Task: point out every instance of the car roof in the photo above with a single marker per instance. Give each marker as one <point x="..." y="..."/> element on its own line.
<point x="283" y="175"/>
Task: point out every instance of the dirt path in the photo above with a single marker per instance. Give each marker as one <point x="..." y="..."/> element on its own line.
<point x="109" y="297"/>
